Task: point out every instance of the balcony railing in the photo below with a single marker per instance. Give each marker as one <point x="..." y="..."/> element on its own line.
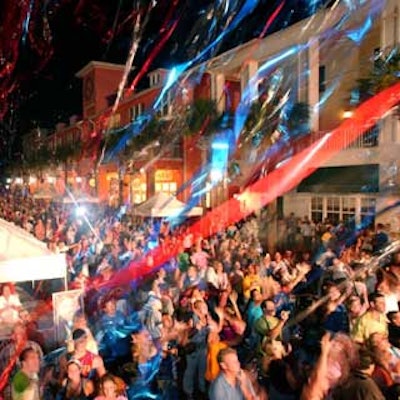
<point x="370" y="138"/>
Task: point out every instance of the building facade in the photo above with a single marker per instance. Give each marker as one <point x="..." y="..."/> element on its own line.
<point x="320" y="65"/>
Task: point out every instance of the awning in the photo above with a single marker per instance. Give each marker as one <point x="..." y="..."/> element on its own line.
<point x="24" y="258"/>
<point x="349" y="179"/>
<point x="162" y="205"/>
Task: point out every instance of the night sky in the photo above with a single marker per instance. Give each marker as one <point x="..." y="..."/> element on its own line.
<point x="43" y="43"/>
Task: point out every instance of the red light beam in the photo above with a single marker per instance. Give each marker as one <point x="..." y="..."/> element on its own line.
<point x="279" y="181"/>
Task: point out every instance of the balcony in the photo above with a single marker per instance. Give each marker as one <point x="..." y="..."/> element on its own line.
<point x="369" y="139"/>
<point x="152" y="151"/>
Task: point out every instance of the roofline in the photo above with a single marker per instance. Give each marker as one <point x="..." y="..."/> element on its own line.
<point x="271" y="44"/>
<point x="158" y="70"/>
<point x="93" y="64"/>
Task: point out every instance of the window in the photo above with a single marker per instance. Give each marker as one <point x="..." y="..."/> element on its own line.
<point x="136" y="111"/>
<point x="165" y="105"/>
<point x="377" y="58"/>
<point x="367" y="212"/>
<point x="333" y="209"/>
<point x="317" y="209"/>
<point x="168" y="188"/>
<point x="349" y="211"/>
<point x="139" y="190"/>
<point x="343" y="208"/>
<point x="154" y="79"/>
<point x="322" y="78"/>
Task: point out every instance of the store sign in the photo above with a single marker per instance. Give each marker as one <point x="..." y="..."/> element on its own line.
<point x="165" y="175"/>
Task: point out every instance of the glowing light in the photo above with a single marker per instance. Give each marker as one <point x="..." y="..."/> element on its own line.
<point x="26" y="23"/>
<point x="78" y="179"/>
<point x="347" y="114"/>
<point x="18" y="181"/>
<point x="216" y="175"/>
<point x="32" y="179"/>
<point x="51" y="179"/>
<point x="80" y="211"/>
<point x="219" y="146"/>
<point x="8" y="180"/>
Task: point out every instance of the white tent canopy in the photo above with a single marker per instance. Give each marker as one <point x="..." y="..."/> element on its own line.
<point x="163" y="205"/>
<point x="45" y="194"/>
<point x="77" y="199"/>
<point x="24" y="258"/>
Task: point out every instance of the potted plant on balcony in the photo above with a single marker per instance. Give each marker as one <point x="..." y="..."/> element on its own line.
<point x="385" y="73"/>
<point x="201" y="117"/>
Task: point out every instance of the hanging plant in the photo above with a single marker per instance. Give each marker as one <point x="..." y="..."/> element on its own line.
<point x="202" y="114"/>
<point x="385" y="73"/>
<point x="261" y="122"/>
<point x="120" y="142"/>
<point x="298" y="118"/>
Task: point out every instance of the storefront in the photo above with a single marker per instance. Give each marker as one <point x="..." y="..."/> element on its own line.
<point x="167" y="181"/>
<point x="113" y="188"/>
<point x="138" y="189"/>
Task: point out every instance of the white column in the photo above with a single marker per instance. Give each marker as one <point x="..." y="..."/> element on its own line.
<point x="313" y="82"/>
<point x="324" y="208"/>
<point x="218" y="91"/>
<point x="390" y="24"/>
<point x="358" y="210"/>
<point x="396" y="129"/>
<point x="388" y="130"/>
<point x="302" y="76"/>
<point x="383" y="41"/>
<point x="248" y="71"/>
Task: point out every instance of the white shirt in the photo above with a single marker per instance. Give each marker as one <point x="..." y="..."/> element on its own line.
<point x="391" y="302"/>
<point x="9" y="309"/>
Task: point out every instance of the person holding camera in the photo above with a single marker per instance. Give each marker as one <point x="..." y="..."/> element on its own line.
<point x="269" y="326"/>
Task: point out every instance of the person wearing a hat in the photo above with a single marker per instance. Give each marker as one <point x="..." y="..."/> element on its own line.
<point x="80" y="321"/>
<point x="91" y="364"/>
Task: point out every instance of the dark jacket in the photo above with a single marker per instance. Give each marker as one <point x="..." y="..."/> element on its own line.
<point x="359" y="386"/>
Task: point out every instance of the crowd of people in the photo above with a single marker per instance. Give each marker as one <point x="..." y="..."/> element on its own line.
<point x="221" y="318"/>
